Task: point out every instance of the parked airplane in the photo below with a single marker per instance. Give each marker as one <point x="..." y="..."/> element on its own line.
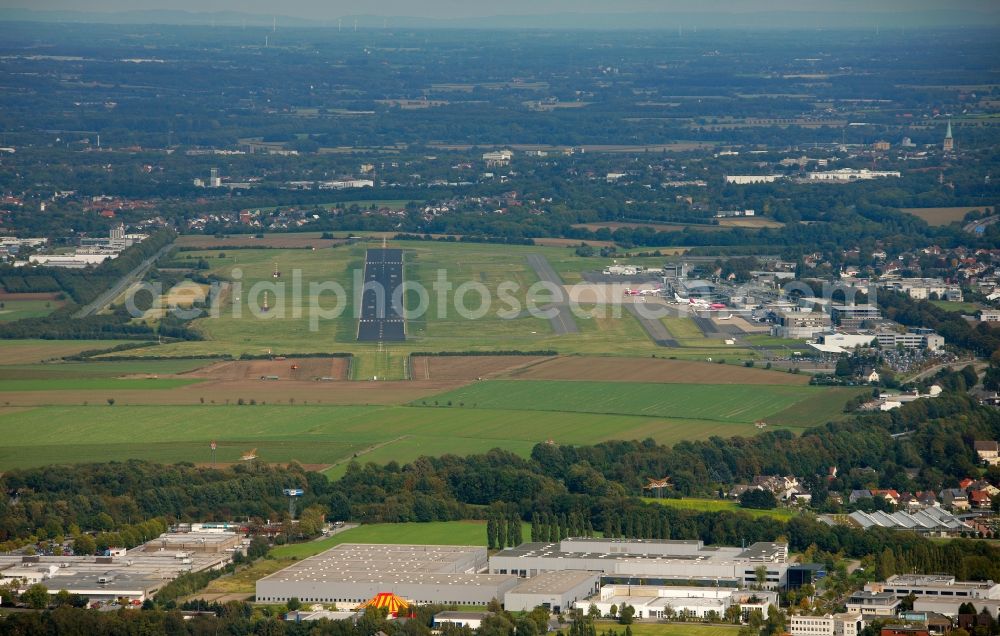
<point x="724" y="317"/>
<point x="641" y="292"/>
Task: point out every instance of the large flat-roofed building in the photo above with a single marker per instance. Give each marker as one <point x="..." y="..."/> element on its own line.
<point x="683" y="601"/>
<point x="555" y="591"/>
<point x="916" y="339"/>
<point x="849" y="174"/>
<point x="936" y="585"/>
<point x="133" y="576"/>
<point x="356" y="572"/>
<point x="750" y="179"/>
<point x="195" y="541"/>
<point x="655" y="561"/>
<point x="851" y="316"/>
<point x="873" y="603"/>
<point x="801" y="324"/>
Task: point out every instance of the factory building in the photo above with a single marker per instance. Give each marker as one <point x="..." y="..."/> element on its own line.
<point x="555" y="591"/>
<point x="652" y="561"/>
<point x="936" y="585"/>
<point x="353" y="573"/>
<point x="130" y="576"/>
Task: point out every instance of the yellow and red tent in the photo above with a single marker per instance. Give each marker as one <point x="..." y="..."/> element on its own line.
<point x="388" y="601"/>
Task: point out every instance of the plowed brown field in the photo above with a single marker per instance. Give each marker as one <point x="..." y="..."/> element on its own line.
<point x="468" y="368"/>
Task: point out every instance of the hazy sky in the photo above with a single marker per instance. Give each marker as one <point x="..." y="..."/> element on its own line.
<point x="325" y="9"/>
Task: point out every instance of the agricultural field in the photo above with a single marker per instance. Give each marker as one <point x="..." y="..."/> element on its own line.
<point x="668" y="629"/>
<point x="713" y="402"/>
<point x="30" y="351"/>
<point x="614" y="369"/>
<point x="91" y="384"/>
<point x="719" y="505"/>
<point x="942" y="216"/>
<point x="124" y="369"/>
<point x="324" y="437"/>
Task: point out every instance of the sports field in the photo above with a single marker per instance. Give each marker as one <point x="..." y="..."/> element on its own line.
<point x="719" y="403"/>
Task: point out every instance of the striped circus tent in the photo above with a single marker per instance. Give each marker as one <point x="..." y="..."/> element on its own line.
<point x="388" y="601"/>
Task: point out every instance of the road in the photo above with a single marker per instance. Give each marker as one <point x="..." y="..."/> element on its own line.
<point x="563" y="322"/>
<point x="954" y="366"/>
<point x="134" y="276"/>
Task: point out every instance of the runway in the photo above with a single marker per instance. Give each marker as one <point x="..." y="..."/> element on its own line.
<point x="563" y="322"/>
<point x="382" y="320"/>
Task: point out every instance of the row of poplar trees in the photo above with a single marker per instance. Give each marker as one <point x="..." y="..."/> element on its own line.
<point x="503" y="528"/>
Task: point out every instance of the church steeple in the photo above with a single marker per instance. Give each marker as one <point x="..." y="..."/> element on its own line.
<point x="949" y="141"/>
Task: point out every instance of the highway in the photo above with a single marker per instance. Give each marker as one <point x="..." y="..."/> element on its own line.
<point x="123" y="283"/>
<point x="382" y="320"/>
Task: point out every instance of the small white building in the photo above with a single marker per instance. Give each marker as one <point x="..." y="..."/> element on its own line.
<point x="683" y="601"/>
<point x="472" y="620"/>
<point x="498" y="158"/>
<point x="750" y="179"/>
<point x="850" y="174"/>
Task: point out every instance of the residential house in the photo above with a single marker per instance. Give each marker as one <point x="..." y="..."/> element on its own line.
<point x="955" y="498"/>
<point x="858" y="495"/>
<point x="988" y="451"/>
<point x="980" y="499"/>
<point x="891" y="496"/>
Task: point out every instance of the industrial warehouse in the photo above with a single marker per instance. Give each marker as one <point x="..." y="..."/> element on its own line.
<point x="129" y="576"/>
<point x="655" y="561"/>
<point x="685" y="575"/>
<point x="355" y="573"/>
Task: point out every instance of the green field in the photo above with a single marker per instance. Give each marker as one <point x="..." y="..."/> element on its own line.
<point x="719" y="505"/>
<point x="721" y="403"/>
<point x="312" y="434"/>
<point x="91" y="384"/>
<point x="765" y="340"/>
<point x="18" y="309"/>
<point x="431" y="533"/>
<point x="965" y="308"/>
<point x="31" y="351"/>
